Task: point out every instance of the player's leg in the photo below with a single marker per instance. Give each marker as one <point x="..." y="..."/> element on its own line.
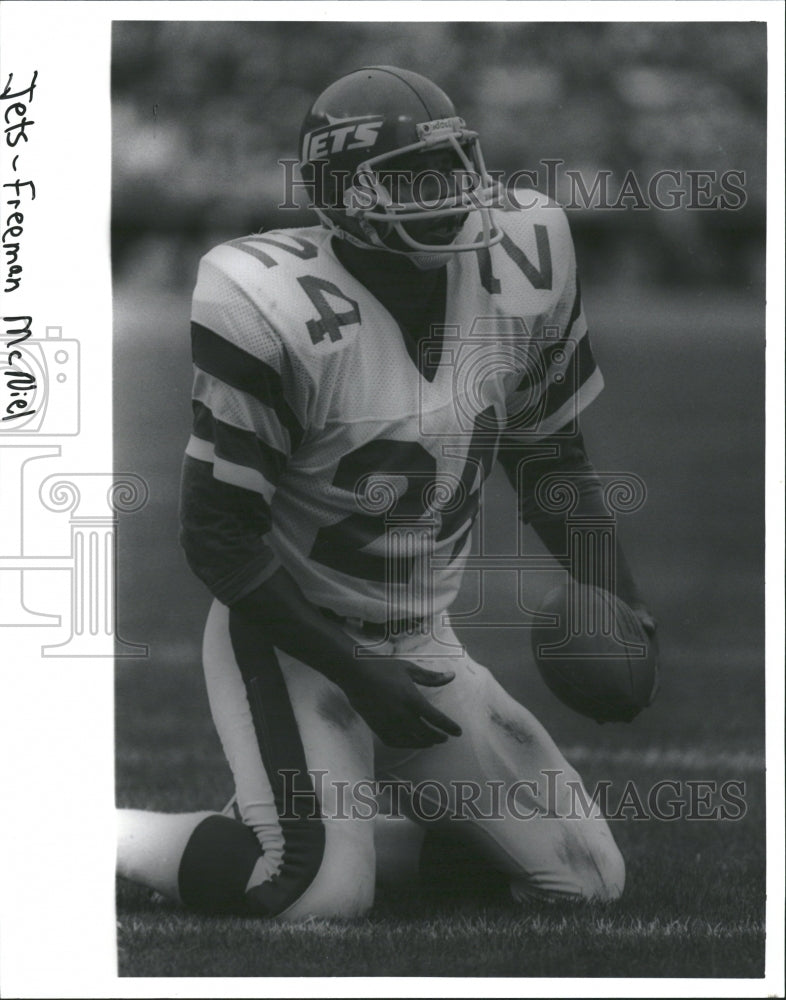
<point x="294" y="746"/>
<point x="518" y="799"/>
<point x="201" y="859"/>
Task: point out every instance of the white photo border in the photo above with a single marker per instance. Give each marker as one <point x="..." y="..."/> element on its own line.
<point x="58" y="906"/>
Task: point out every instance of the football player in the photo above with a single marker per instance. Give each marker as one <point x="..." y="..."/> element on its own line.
<point x="354" y="383"/>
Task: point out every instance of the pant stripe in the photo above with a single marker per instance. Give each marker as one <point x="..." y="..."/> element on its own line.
<point x="283" y="757"/>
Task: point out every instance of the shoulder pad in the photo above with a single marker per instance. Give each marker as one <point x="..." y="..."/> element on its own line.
<point x="291" y="281"/>
<point x="526" y="208"/>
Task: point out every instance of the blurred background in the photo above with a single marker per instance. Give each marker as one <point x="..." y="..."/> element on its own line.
<point x="202" y="112"/>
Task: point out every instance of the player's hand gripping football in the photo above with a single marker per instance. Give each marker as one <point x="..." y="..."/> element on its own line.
<point x="384" y="691"/>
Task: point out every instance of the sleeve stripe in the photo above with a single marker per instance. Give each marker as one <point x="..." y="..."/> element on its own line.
<point x="588" y="391"/>
<point x="528" y="385"/>
<point x="247" y="479"/>
<point x="238" y="409"/>
<point x="199" y="449"/>
<point x="241" y="370"/>
<point x="581" y="367"/>
<point x="236" y="445"/>
<point x="561" y="401"/>
<point x="228" y="472"/>
<point x="575" y="311"/>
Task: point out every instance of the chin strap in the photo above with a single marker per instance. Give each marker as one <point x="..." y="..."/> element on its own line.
<point x="429" y="261"/>
<point x="422" y="260"/>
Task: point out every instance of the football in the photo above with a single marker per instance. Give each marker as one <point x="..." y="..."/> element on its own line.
<point x="593" y="653"/>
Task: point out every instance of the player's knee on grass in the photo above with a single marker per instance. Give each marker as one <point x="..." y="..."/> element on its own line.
<point x="590" y="862"/>
<point x="614" y="875"/>
<point x="586" y="865"/>
<point x="344" y="885"/>
<point x="600" y="870"/>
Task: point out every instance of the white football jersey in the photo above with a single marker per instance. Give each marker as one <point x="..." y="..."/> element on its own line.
<point x="306" y="395"/>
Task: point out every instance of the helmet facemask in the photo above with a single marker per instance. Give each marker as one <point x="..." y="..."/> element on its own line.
<point x="394" y="201"/>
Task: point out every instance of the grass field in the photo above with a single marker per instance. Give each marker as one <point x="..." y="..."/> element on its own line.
<point x="683" y="409"/>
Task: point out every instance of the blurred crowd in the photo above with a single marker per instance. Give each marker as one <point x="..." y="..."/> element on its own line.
<point x="204" y="111"/>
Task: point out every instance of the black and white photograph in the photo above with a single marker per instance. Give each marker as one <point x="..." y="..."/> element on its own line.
<point x="430" y="553"/>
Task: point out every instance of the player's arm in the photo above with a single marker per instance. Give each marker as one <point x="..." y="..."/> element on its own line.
<point x="533" y="446"/>
<point x="566" y="456"/>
